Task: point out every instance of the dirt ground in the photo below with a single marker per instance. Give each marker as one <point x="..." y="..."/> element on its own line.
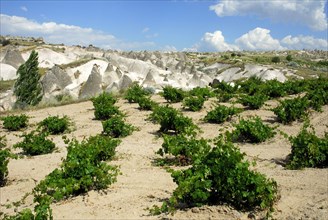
<point x="303" y="193"/>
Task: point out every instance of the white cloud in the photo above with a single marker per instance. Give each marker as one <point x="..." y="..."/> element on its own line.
<point x="67" y="34"/>
<point x="258" y="39"/>
<point x="310" y="13"/>
<point x="304" y="42"/>
<point x="169" y="48"/>
<point x="152" y="35"/>
<point x="23" y="8"/>
<point x="213" y="42"/>
<point x="191" y="49"/>
<point x="146" y="29"/>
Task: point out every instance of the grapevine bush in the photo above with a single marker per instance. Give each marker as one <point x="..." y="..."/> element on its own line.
<point x="35" y="143"/>
<point x="255" y="101"/>
<point x="193" y="103"/>
<point x="135" y="92"/>
<point x="55" y="124"/>
<point x="15" y="122"/>
<point x="104" y="106"/>
<point x="221" y="176"/>
<point x="171" y="119"/>
<point x="292" y="87"/>
<point x="4" y="160"/>
<point x="308" y="150"/>
<point x="205" y="92"/>
<point x="251" y="85"/>
<point x="116" y="127"/>
<point x="221" y="114"/>
<point x="273" y="89"/>
<point x="145" y="103"/>
<point x="5" y="155"/>
<point x="224" y="87"/>
<point x="172" y="94"/>
<point x="292" y="109"/>
<point x="185" y="149"/>
<point x="317" y="98"/>
<point x="252" y="130"/>
<point x="225" y="96"/>
<point x="83" y="169"/>
<point x="42" y="210"/>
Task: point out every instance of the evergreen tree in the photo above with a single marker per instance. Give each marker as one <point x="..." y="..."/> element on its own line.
<point x="28" y="89"/>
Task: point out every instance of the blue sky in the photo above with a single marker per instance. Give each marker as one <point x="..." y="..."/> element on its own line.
<point x="172" y="25"/>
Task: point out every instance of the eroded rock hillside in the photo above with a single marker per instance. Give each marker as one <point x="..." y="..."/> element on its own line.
<point x="74" y="72"/>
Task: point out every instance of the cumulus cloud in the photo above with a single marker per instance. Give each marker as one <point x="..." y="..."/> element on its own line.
<point x="213" y="42"/>
<point x="169" y="48"/>
<point x="258" y="39"/>
<point x="154" y="35"/>
<point x="304" y="42"/>
<point x="305" y="12"/>
<point x="67" y="34"/>
<point x="146" y="29"/>
<point x="23" y="8"/>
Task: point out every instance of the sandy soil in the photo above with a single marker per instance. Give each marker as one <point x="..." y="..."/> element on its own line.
<point x="304" y="193"/>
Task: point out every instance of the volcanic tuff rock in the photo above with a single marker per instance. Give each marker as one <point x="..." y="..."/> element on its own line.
<point x="82" y="73"/>
<point x="93" y="85"/>
<point x="13" y="57"/>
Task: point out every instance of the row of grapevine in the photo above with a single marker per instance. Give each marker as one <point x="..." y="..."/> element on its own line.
<point x="85" y="167"/>
<point x="219" y="172"/>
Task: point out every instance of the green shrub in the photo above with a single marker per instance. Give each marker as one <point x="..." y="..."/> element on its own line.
<point x="221" y="176"/>
<point x="222" y="86"/>
<point x="225" y="96"/>
<point x="252" y="130"/>
<point x="308" y="150"/>
<point x="317" y="98"/>
<point x="185" y="149"/>
<point x="25" y="214"/>
<point x="3" y="142"/>
<point x="291" y="110"/>
<point x="292" y="87"/>
<point x="193" y="103"/>
<point x="55" y="124"/>
<point x="255" y="101"/>
<point x="204" y="92"/>
<point x="5" y="155"/>
<point x="145" y="103"/>
<point x="104" y="106"/>
<point x="273" y="89"/>
<point x="275" y="59"/>
<point x="82" y="170"/>
<point x="323" y="63"/>
<point x="173" y="95"/>
<point x="250" y="86"/>
<point x="15" y="122"/>
<point x="289" y="57"/>
<point x="116" y="127"/>
<point x="221" y="114"/>
<point x="42" y="210"/>
<point x="4" y="160"/>
<point x="35" y="143"/>
<point x="135" y="92"/>
<point x="171" y="119"/>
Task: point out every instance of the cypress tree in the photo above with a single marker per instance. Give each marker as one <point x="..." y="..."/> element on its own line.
<point x="27" y="88"/>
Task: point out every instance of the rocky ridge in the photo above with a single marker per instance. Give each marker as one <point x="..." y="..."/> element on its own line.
<point x="80" y="73"/>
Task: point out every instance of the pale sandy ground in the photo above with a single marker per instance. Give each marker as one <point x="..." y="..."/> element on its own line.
<point x="304" y="193"/>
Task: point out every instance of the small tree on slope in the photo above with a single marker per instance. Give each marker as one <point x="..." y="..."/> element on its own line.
<point x="28" y="89"/>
